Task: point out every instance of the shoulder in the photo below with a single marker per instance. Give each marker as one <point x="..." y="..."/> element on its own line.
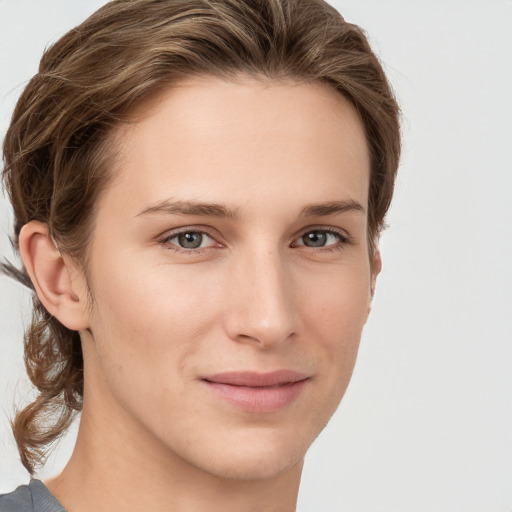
<point x="19" y="500"/>
<point x="34" y="497"/>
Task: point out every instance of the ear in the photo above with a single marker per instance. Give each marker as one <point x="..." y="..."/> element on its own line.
<point x="375" y="269"/>
<point x="56" y="280"/>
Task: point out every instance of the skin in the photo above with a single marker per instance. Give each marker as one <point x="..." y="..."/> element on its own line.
<point x="254" y="296"/>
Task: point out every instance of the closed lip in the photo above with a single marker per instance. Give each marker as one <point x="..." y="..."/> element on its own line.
<point x="254" y="392"/>
<point x="255" y="379"/>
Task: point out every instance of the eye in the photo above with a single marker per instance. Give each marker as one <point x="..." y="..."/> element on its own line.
<point x="318" y="238"/>
<point x="189" y="240"/>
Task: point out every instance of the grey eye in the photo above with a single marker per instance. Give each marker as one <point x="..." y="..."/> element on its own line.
<point x="315" y="239"/>
<point x="191" y="240"/>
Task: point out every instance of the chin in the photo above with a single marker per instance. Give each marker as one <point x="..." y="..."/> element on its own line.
<point x="265" y="465"/>
<point x="253" y="455"/>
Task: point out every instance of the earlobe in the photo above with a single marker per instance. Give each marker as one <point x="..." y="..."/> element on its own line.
<point x="51" y="276"/>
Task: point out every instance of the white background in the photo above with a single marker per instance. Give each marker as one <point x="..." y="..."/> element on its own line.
<point x="426" y="425"/>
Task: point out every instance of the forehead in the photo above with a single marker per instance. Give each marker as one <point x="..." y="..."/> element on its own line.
<point x="242" y="142"/>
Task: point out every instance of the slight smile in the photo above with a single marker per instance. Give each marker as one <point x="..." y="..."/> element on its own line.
<point x="258" y="392"/>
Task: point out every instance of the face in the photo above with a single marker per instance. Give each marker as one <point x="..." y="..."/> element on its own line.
<point x="230" y="274"/>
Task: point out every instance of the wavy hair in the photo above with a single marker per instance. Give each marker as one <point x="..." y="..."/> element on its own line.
<point x="57" y="154"/>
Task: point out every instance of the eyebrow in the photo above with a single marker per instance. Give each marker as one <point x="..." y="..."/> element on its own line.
<point x="170" y="207"/>
<point x="331" y="208"/>
<point x="191" y="208"/>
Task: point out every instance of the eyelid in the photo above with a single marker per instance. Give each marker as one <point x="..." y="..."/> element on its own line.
<point x="165" y="238"/>
<point x="344" y="237"/>
<point x="327" y="229"/>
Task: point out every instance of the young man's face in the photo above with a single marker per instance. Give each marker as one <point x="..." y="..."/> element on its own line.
<point x="230" y="273"/>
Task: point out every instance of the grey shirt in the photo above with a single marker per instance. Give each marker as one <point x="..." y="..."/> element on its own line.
<point x="34" y="497"/>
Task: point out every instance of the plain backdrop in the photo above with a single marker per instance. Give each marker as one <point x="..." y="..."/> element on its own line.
<point x="426" y="424"/>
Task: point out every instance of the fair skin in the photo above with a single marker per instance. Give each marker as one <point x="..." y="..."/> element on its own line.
<point x="280" y="280"/>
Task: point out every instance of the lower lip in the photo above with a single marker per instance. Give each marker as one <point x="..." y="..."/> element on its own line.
<point x="258" y="399"/>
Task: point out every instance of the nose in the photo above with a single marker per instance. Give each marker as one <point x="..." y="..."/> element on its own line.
<point x="262" y="303"/>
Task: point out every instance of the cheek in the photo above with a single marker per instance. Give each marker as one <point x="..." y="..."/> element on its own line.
<point x="149" y="299"/>
<point x="146" y="324"/>
<point x="336" y="311"/>
<point x="338" y="301"/>
<point x="147" y="329"/>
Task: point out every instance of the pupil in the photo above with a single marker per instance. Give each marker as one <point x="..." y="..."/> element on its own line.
<point x="315" y="239"/>
<point x="190" y="240"/>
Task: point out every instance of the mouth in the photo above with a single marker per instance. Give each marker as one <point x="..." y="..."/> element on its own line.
<point x="258" y="392"/>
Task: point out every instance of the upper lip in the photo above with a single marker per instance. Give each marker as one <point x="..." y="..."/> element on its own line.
<point x="256" y="379"/>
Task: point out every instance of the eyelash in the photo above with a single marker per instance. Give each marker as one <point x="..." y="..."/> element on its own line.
<point x="165" y="241"/>
<point x="343" y="239"/>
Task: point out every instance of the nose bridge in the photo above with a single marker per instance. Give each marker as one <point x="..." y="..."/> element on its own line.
<point x="263" y="306"/>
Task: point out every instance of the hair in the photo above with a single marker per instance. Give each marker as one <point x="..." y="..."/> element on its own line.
<point x="57" y="155"/>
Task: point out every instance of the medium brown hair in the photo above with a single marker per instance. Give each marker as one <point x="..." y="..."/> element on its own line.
<point x="57" y="155"/>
